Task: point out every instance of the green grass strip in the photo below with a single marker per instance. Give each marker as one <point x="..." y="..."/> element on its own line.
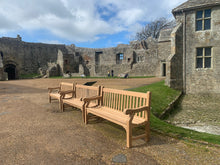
<point x="115" y="77"/>
<point x="27" y="76"/>
<point x="161" y="97"/>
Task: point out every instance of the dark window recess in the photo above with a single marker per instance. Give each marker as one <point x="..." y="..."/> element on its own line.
<point x="199" y="51"/>
<point x="77" y="53"/>
<point x="97" y="57"/>
<point x="208" y="62"/>
<point x="204" y="58"/>
<point x="66" y="62"/>
<point x="129" y="59"/>
<point x="87" y="62"/>
<point x="164" y="69"/>
<point x="199" y="62"/>
<point x="1" y="55"/>
<point x="203" y="20"/>
<point x="207" y="24"/>
<point x="208" y="51"/>
<point x="207" y="13"/>
<point x="199" y="14"/>
<point x="198" y="25"/>
<point x="119" y="58"/>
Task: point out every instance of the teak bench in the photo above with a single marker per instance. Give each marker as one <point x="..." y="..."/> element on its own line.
<point x="125" y="108"/>
<point x="78" y="94"/>
<point x="55" y="93"/>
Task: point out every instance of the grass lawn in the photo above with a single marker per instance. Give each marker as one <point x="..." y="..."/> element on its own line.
<point x="28" y="76"/>
<point x="115" y="77"/>
<point x="161" y="97"/>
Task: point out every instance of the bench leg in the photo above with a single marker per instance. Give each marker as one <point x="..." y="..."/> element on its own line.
<point x="86" y="117"/>
<point x="83" y="115"/>
<point x="147" y="131"/>
<point x="61" y="107"/>
<point x="129" y="136"/>
<point x="49" y="99"/>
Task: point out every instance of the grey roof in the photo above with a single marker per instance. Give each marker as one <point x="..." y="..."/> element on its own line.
<point x="195" y="4"/>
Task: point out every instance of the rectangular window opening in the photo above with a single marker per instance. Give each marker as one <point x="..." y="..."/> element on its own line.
<point x="119" y="58"/>
<point x="203" y="20"/>
<point x="204" y="57"/>
<point x="97" y="57"/>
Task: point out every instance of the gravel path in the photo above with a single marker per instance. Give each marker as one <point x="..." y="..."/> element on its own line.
<point x="32" y="131"/>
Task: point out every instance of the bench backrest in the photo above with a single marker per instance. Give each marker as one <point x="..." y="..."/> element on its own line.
<point x="120" y="100"/>
<point x="83" y="91"/>
<point x="64" y="86"/>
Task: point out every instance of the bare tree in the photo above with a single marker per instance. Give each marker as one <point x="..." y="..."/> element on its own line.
<point x="153" y="29"/>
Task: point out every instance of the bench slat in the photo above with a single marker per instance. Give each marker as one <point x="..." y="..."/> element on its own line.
<point x="128" y="93"/>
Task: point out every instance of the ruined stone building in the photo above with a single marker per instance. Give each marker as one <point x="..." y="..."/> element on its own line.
<point x="188" y="55"/>
<point x="146" y="58"/>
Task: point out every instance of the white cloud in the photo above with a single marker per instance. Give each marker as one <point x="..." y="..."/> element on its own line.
<point x="50" y="41"/>
<point x="81" y="20"/>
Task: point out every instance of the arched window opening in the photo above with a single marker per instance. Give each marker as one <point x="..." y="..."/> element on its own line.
<point x="11" y="70"/>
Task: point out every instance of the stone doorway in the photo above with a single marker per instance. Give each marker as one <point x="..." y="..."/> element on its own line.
<point x="11" y="70"/>
<point x="164" y="72"/>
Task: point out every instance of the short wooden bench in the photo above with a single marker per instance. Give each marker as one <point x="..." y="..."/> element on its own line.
<point x="125" y="108"/>
<point x="54" y="93"/>
<point x="78" y="94"/>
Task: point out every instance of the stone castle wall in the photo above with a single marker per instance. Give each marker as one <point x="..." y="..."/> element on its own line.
<point x="28" y="57"/>
<point x="136" y="59"/>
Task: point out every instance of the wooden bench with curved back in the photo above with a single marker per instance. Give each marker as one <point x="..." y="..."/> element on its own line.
<point x="78" y="94"/>
<point x="125" y="108"/>
<point x="55" y="92"/>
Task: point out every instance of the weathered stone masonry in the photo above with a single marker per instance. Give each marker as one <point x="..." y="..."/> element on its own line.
<point x="137" y="59"/>
<point x="183" y="72"/>
<point x="27" y="58"/>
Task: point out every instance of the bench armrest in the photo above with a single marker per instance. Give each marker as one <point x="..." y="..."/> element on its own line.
<point x="88" y="99"/>
<point x="51" y="89"/>
<point x="136" y="110"/>
<point x="63" y="93"/>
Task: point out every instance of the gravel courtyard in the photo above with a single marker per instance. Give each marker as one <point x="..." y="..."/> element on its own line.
<point x="33" y="131"/>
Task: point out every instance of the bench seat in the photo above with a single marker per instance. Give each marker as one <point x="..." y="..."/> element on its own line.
<point x="75" y="102"/>
<point x="114" y="116"/>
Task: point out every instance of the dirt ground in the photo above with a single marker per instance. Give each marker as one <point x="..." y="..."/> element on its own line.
<point x="33" y="131"/>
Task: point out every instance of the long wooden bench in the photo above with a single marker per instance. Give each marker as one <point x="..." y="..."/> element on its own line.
<point x="79" y="93"/>
<point x="125" y="108"/>
<point x="55" y="92"/>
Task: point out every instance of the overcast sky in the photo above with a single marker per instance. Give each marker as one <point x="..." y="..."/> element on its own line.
<point x="85" y="23"/>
